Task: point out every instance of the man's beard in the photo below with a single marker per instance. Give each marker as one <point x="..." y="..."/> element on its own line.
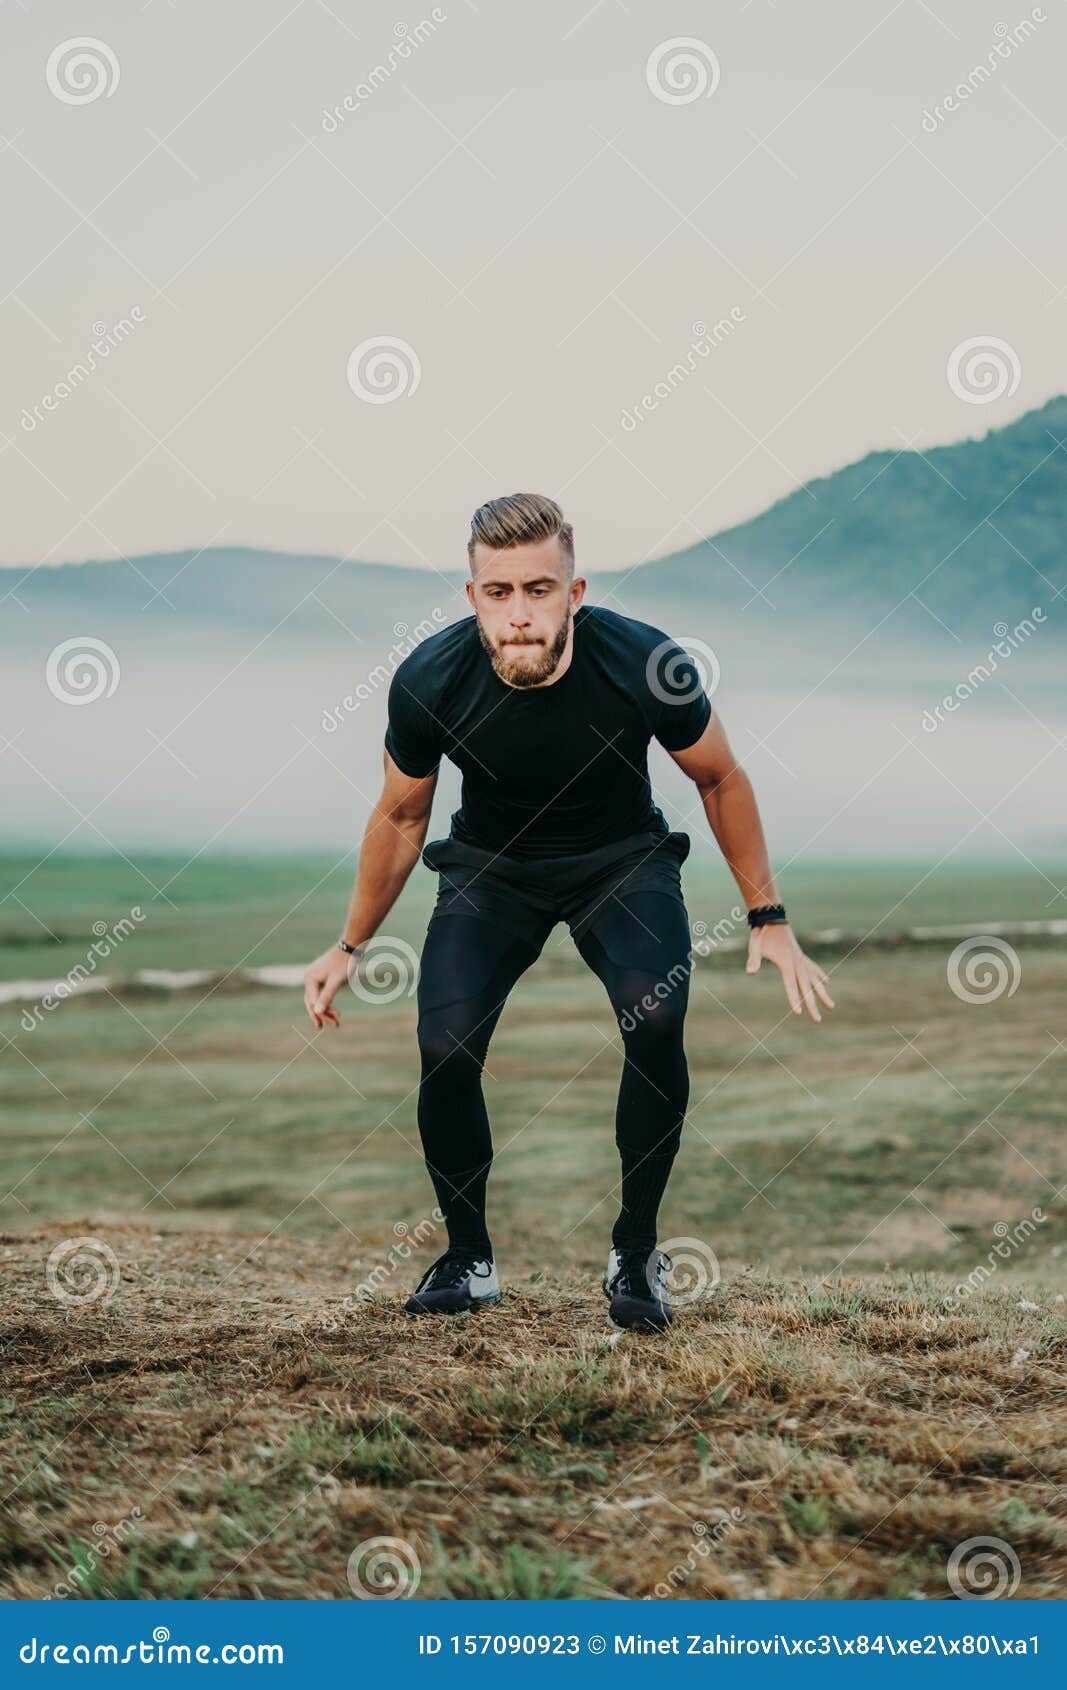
<point x="523" y="671"/>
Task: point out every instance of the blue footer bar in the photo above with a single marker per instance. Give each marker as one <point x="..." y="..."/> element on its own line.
<point x="583" y="1642"/>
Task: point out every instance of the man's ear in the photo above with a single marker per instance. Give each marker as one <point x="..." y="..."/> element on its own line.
<point x="577" y="591"/>
<point x="470" y="592"/>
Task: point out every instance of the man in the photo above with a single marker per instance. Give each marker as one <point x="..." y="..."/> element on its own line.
<point x="547" y="706"/>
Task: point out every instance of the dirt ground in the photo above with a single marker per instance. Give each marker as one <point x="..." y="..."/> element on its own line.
<point x="225" y="1418"/>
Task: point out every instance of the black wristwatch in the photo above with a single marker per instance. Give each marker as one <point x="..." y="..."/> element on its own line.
<point x="351" y="950"/>
<point x="767" y="915"/>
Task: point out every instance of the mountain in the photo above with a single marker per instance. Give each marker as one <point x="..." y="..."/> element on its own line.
<point x="236" y="698"/>
<point x="228" y="589"/>
<point x="977" y="532"/>
<point x="974" y="532"/>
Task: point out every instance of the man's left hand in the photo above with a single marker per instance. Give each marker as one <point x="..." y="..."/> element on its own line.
<point x="804" y="980"/>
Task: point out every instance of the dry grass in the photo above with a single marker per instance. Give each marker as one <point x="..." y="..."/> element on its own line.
<point x="833" y="1438"/>
<point x="822" y="1426"/>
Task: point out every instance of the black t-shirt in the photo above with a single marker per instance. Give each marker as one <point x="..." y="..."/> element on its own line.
<point x="550" y="770"/>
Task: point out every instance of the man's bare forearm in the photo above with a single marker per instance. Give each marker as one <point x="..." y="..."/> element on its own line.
<point x="390" y="849"/>
<point x="731" y="808"/>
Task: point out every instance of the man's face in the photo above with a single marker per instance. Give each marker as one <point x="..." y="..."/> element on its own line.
<point x="523" y="600"/>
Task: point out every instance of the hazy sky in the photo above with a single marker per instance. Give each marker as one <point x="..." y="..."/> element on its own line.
<point x="538" y="203"/>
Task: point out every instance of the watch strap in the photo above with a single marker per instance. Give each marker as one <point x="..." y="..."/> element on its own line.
<point x="767" y="915"/>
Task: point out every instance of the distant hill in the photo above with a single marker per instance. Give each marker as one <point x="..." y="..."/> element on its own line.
<point x="238" y="696"/>
<point x="232" y="589"/>
<point x="977" y="531"/>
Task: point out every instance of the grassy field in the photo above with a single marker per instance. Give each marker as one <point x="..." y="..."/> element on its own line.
<point x="221" y="912"/>
<point x="877" y="1379"/>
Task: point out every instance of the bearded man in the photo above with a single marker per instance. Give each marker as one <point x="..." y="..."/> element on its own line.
<point x="547" y="706"/>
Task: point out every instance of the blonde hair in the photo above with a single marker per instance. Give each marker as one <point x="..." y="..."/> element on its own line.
<point x="519" y="519"/>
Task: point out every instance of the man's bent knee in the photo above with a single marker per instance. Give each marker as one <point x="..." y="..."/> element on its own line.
<point x="443" y="1053"/>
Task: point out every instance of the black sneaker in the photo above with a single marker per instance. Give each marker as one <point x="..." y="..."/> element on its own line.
<point x="458" y="1281"/>
<point x="636" y="1285"/>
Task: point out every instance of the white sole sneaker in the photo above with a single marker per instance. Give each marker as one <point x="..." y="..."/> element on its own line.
<point x="455" y="1285"/>
<point x="636" y="1289"/>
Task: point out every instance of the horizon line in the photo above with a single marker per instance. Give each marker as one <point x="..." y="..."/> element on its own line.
<point x="593" y="569"/>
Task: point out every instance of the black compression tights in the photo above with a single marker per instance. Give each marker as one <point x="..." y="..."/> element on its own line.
<point x="640" y="949"/>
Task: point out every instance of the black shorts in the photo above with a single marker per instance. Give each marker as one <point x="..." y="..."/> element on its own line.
<point x="527" y="897"/>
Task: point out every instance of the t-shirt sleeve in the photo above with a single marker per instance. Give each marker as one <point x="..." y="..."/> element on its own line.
<point x="413" y="737"/>
<point x="681" y="709"/>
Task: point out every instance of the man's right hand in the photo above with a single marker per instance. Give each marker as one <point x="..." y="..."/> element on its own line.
<point x="323" y="979"/>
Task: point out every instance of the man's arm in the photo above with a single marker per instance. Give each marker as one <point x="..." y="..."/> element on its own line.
<point x="391" y="846"/>
<point x="730" y="806"/>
